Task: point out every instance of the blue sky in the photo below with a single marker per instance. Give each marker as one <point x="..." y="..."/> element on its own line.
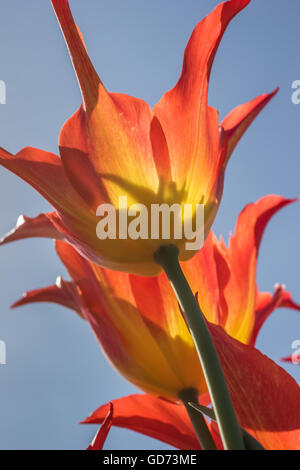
<point x="55" y="373"/>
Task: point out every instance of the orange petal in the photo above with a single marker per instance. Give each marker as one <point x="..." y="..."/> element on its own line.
<point x="44" y="172"/>
<point x="237" y="122"/>
<point x="190" y="126"/>
<point x="225" y="278"/>
<point x="74" y="151"/>
<point x="111" y="312"/>
<point x="141" y="322"/>
<point x="87" y="276"/>
<point x="86" y="74"/>
<point x="111" y="130"/>
<point x="203" y="273"/>
<point x="240" y="291"/>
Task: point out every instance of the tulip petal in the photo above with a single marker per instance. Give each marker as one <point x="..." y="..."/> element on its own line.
<point x="74" y="220"/>
<point x="111" y="309"/>
<point x="100" y="438"/>
<point x="154" y="417"/>
<point x="238" y="121"/>
<point x="27" y="227"/>
<point x="86" y="74"/>
<point x="192" y="137"/>
<point x="265" y="397"/>
<point x="159" y="309"/>
<point x="204" y="273"/>
<point x="240" y="292"/>
<point x="44" y="172"/>
<point x="293" y="358"/>
<point x="266" y="303"/>
<point x="225" y="278"/>
<point x="111" y="130"/>
<point x="74" y="152"/>
<point x="64" y="293"/>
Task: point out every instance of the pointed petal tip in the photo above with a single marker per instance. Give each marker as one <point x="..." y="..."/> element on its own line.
<point x="9" y="236"/>
<point x="238" y="4"/>
<point x="282" y="199"/>
<point x="295" y="360"/>
<point x="270" y="95"/>
<point x="245" y="3"/>
<point x="102" y="433"/>
<point x="19" y="302"/>
<point x="285" y="359"/>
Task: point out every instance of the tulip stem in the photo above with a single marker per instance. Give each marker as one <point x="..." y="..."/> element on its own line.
<point x="197" y="419"/>
<point x="167" y="257"/>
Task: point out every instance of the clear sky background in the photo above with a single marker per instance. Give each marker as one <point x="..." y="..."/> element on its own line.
<point x="55" y="373"/>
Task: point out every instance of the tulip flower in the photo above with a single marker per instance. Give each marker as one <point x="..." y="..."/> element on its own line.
<point x="266" y="400"/>
<point x="116" y="146"/>
<point x="137" y="319"/>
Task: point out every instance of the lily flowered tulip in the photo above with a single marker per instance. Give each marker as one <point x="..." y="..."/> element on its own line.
<point x="266" y="400"/>
<point x="116" y="147"/>
<point x="137" y="319"/>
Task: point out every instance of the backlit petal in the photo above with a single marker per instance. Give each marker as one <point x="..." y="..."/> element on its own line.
<point x="190" y="126"/>
<point x="64" y="293"/>
<point x="235" y="124"/>
<point x="102" y="433"/>
<point x="154" y="417"/>
<point x="27" y="227"/>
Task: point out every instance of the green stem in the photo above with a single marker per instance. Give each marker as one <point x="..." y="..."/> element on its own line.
<point x="250" y="442"/>
<point x="167" y="257"/>
<point x="197" y="419"/>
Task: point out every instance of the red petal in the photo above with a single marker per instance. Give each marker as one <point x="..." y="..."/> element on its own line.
<point x="237" y="122"/>
<point x="100" y="438"/>
<point x="63" y="293"/>
<point x="160" y="151"/>
<point x="266" y="303"/>
<point x="28" y="227"/>
<point x="154" y="417"/>
<point x="266" y="398"/>
<point x="288" y="302"/>
<point x="293" y="358"/>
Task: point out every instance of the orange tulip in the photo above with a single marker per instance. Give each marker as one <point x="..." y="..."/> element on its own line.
<point x="137" y="319"/>
<point x="115" y="145"/>
<point x="265" y="397"/>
